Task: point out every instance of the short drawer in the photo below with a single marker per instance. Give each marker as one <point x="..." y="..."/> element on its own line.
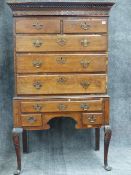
<point x="33" y="25"/>
<point x="40" y="63"/>
<point x="59" y="106"/>
<point x="89" y="25"/>
<point x="31" y="120"/>
<point x="40" y="43"/>
<point x="92" y="119"/>
<point x="61" y="84"/>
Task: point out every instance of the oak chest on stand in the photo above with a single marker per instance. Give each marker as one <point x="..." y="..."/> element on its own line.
<point x="60" y="67"/>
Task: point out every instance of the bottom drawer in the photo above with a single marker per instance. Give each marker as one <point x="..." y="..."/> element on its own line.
<point x="92" y="119"/>
<point x="31" y="120"/>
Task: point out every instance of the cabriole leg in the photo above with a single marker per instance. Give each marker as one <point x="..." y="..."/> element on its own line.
<point x="16" y="140"/>
<point x="25" y="141"/>
<point x="107" y="138"/>
<point x="97" y="139"/>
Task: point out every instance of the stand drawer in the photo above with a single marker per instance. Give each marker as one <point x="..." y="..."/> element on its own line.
<point x="31" y="120"/>
<point x="58" y="106"/>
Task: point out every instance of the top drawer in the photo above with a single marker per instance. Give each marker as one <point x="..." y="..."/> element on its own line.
<point x="90" y="25"/>
<point x="37" y="26"/>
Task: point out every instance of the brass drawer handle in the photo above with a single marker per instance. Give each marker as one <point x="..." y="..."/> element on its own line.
<point x="85" y="84"/>
<point x="31" y="119"/>
<point x="85" y="26"/>
<point x="62" y="80"/>
<point x="84" y="106"/>
<point x="37" y="107"/>
<point x="37" y="63"/>
<point x="62" y="107"/>
<point x="84" y="63"/>
<point x="61" y="60"/>
<point x="85" y="42"/>
<point x="37" y="26"/>
<point x="92" y="118"/>
<point x="37" y="43"/>
<point x="61" y="41"/>
<point x="37" y="84"/>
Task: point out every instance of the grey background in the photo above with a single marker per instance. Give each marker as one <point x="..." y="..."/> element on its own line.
<point x="63" y="150"/>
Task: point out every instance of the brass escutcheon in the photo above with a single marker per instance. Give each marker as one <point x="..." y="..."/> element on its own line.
<point x="37" y="107"/>
<point x="37" y="43"/>
<point x="84" y="63"/>
<point x="37" y="26"/>
<point x="37" y="63"/>
<point x="31" y="119"/>
<point x="61" y="80"/>
<point x="85" y="84"/>
<point x="85" y="26"/>
<point x="61" y="41"/>
<point x="92" y="118"/>
<point x="84" y="106"/>
<point x="85" y="42"/>
<point x="37" y="84"/>
<point x="61" y="60"/>
<point x="62" y="107"/>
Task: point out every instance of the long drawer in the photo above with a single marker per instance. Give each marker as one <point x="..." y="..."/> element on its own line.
<point x="38" y="63"/>
<point x="61" y="84"/>
<point x="40" y="43"/>
<point x="58" y="106"/>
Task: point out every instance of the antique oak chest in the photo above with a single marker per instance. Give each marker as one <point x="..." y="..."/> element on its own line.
<point x="60" y="67"/>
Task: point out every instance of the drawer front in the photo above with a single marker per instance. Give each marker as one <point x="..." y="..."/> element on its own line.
<point x="38" y="63"/>
<point x="46" y="43"/>
<point x="61" y="84"/>
<point x="31" y="120"/>
<point x="58" y="106"/>
<point x="92" y="119"/>
<point x="90" y="25"/>
<point x="37" y="26"/>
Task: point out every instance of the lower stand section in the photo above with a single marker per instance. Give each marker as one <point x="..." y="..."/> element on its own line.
<point x="16" y="139"/>
<point x="107" y="138"/>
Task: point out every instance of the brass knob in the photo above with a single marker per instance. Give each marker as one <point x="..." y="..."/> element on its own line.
<point x="61" y="80"/>
<point x="37" y="26"/>
<point x="37" y="63"/>
<point x="84" y="63"/>
<point x="61" y="60"/>
<point x="84" y="42"/>
<point x="37" y="84"/>
<point x="61" y="41"/>
<point x="85" y="84"/>
<point x="92" y="118"/>
<point x="84" y="106"/>
<point x="62" y="107"/>
<point x="85" y="26"/>
<point x="37" y="43"/>
<point x="37" y="107"/>
<point x="31" y="119"/>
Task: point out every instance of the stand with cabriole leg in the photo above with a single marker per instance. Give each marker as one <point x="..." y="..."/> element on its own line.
<point x="16" y="140"/>
<point x="107" y="138"/>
